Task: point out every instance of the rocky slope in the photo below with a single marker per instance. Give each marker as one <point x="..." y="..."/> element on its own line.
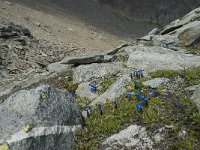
<point x="157" y="11"/>
<point x="137" y="96"/>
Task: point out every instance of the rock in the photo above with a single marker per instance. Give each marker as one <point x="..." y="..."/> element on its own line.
<point x="156" y="58"/>
<point x="190" y="17"/>
<point x="114" y="92"/>
<point x="9" y="29"/>
<point x="58" y="67"/>
<point x="86" y="59"/>
<point x="196" y="97"/>
<point x="90" y="72"/>
<point x="192" y="88"/>
<point x="51" y="113"/>
<point x="83" y="91"/>
<point x="133" y="137"/>
<point x="182" y="134"/>
<point x="154" y="83"/>
<point x="188" y="36"/>
<point x="154" y="31"/>
<point x="8" y="3"/>
<point x="37" y="24"/>
<point x="117" y="49"/>
<point x="158" y="137"/>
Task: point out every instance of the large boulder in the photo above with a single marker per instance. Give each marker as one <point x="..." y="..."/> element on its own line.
<point x="196" y="97"/>
<point x="157" y="58"/>
<point x="188" y="36"/>
<point x="43" y="118"/>
<point x="114" y="92"/>
<point x="90" y="72"/>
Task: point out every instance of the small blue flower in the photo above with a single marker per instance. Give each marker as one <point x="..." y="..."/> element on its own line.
<point x="88" y="109"/>
<point x="140" y="90"/>
<point x="135" y="82"/>
<point x="93" y="90"/>
<point x="73" y="93"/>
<point x="92" y="85"/>
<point x="144" y="98"/>
<point x="154" y="93"/>
<point x="139" y="106"/>
<point x="129" y="94"/>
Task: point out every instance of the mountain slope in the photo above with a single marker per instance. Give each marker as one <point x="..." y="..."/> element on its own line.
<point x="157" y="11"/>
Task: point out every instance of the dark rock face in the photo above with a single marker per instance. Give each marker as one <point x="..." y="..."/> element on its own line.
<point x="157" y="11"/>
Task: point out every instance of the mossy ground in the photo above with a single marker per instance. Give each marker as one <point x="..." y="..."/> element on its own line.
<point x="169" y="108"/>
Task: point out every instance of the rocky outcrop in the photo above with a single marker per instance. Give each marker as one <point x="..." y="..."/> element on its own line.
<point x="81" y="60"/>
<point x="190" y="36"/>
<point x="58" y="67"/>
<point x="154" y="83"/>
<point x="114" y="92"/>
<point x="133" y="137"/>
<point x="42" y="118"/>
<point x="94" y="71"/>
<point x="157" y="58"/>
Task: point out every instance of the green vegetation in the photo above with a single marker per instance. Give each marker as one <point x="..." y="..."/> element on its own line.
<point x="106" y="84"/>
<point x="175" y="109"/>
<point x="163" y="73"/>
<point x="27" y="128"/>
<point x="192" y="75"/>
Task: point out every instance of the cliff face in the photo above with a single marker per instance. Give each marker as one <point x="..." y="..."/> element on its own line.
<point x="156" y="11"/>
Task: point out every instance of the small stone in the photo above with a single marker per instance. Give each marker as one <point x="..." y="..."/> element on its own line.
<point x="37" y="24"/>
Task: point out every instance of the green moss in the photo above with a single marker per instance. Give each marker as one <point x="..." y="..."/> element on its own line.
<point x="27" y="128"/>
<point x="72" y="87"/>
<point x="163" y="73"/>
<point x="192" y="75"/>
<point x="4" y="147"/>
<point x="111" y="121"/>
<point x="43" y="95"/>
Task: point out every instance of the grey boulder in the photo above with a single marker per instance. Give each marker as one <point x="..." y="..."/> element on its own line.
<point x="154" y="83"/>
<point x="94" y="71"/>
<point x="157" y="58"/>
<point x="188" y="36"/>
<point x="41" y="118"/>
<point x="114" y="92"/>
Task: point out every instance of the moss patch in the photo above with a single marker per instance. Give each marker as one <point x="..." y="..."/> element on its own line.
<point x="4" y="147"/>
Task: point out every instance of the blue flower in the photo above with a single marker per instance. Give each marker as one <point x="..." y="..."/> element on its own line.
<point x="135" y="82"/>
<point x="154" y="93"/>
<point x="73" y="93"/>
<point x="139" y="106"/>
